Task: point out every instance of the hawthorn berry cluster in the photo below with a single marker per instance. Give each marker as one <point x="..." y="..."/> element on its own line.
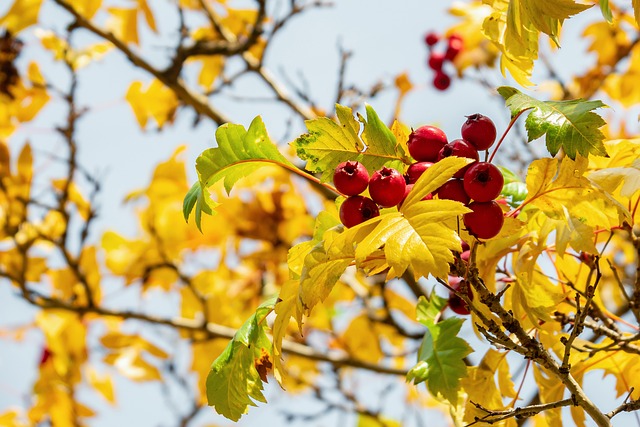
<point x="437" y="59"/>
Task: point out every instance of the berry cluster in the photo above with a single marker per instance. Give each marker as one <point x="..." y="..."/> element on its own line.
<point x="477" y="184"/>
<point x="437" y="59"/>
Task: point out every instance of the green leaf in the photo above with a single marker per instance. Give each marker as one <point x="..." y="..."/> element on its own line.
<point x="441" y="359"/>
<point x="570" y="125"/>
<point x="328" y="143"/>
<point x="606" y="10"/>
<point x="239" y="152"/>
<point x="515" y="193"/>
<point x="428" y="310"/>
<point x="234" y="383"/>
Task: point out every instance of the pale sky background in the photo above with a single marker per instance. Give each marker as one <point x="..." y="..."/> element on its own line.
<point x="386" y="39"/>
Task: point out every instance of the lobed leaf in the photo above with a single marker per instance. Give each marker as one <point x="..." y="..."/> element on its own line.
<point x="570" y="125"/>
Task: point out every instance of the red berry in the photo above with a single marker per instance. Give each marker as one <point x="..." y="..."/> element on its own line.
<point x="483" y="181"/>
<point x="465" y="246"/>
<point x="459" y="148"/>
<point x="441" y="81"/>
<point x="416" y="170"/>
<point x="426" y="142"/>
<point x="436" y="60"/>
<point x="456" y="303"/>
<point x="45" y="356"/>
<point x="431" y="38"/>
<point x="485" y="219"/>
<point x="464" y="256"/>
<point x="387" y="187"/>
<point x="351" y="178"/>
<point x="453" y="190"/>
<point x="455" y="47"/>
<point x="479" y="131"/>
<point x="407" y="190"/>
<point x="357" y="209"/>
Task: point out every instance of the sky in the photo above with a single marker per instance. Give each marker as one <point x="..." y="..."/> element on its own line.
<point x="386" y="39"/>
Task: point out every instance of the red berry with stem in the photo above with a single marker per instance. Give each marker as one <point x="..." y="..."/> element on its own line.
<point x="453" y="190"/>
<point x="455" y="47"/>
<point x="416" y="170"/>
<point x="459" y="148"/>
<point x="456" y="303"/>
<point x="357" y="209"/>
<point x="426" y="142"/>
<point x="351" y="178"/>
<point x="387" y="187"/>
<point x="431" y="38"/>
<point x="436" y="61"/>
<point x="483" y="181"/>
<point x="479" y="131"/>
<point x="407" y="190"/>
<point x="441" y="81"/>
<point x="485" y="219"/>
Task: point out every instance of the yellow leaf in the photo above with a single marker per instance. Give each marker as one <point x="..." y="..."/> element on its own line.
<point x="156" y="101"/>
<point x="11" y="418"/>
<point x="86" y="8"/>
<point x="361" y="340"/>
<point x="607" y="40"/>
<point x="212" y="67"/>
<point x="148" y="14"/>
<point x="102" y="384"/>
<point x="130" y="363"/>
<point x="124" y="24"/>
<point x="30" y="100"/>
<point x="22" y="14"/>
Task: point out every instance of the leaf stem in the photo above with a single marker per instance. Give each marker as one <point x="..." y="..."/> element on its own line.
<point x="504" y="135"/>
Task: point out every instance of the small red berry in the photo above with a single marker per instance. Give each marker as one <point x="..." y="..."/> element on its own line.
<point x="416" y="170"/>
<point x="483" y="181"/>
<point x="441" y="81"/>
<point x="456" y="303"/>
<point x="453" y="190"/>
<point x="356" y="210"/>
<point x="455" y="47"/>
<point x="426" y="142"/>
<point x="465" y="246"/>
<point x="479" y="131"/>
<point x="459" y="148"/>
<point x="436" y="61"/>
<point x="45" y="356"/>
<point x="485" y="219"/>
<point x="351" y="178"/>
<point x="431" y="38"/>
<point x="387" y="187"/>
<point x="407" y="190"/>
<point x="465" y="255"/>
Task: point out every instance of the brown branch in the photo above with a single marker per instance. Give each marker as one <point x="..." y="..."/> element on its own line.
<point x="493" y="416"/>
<point x="197" y="101"/>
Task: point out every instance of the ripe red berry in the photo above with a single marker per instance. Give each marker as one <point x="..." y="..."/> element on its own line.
<point x="436" y="60"/>
<point x="431" y="38"/>
<point x="426" y="142"/>
<point x="465" y="246"/>
<point x="456" y="303"/>
<point x="485" y="219"/>
<point x="351" y="178"/>
<point x="45" y="356"/>
<point x="483" y="181"/>
<point x="407" y="190"/>
<point x="387" y="187"/>
<point x="453" y="190"/>
<point x="441" y="81"/>
<point x="459" y="148"/>
<point x="357" y="209"/>
<point x="479" y="131"/>
<point x="416" y="170"/>
<point x="455" y="47"/>
<point x="465" y="255"/>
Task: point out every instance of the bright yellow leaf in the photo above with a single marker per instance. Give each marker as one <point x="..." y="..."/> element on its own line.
<point x="22" y="14"/>
<point x="156" y="101"/>
<point x="86" y="8"/>
<point x="124" y="24"/>
<point x="103" y="384"/>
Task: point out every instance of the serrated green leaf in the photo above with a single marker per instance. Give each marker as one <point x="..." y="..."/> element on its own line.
<point x="570" y="125"/>
<point x="328" y="143"/>
<point x="515" y="192"/>
<point x="428" y="310"/>
<point x="239" y="152"/>
<point x="606" y="10"/>
<point x="233" y="383"/>
<point x="441" y="359"/>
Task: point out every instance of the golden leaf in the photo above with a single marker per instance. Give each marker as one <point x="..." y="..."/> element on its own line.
<point x="156" y="101"/>
<point x="22" y="14"/>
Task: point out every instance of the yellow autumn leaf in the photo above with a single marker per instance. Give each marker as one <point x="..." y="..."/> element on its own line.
<point x="123" y="23"/>
<point x="156" y="101"/>
<point x="555" y="185"/>
<point x="132" y="365"/>
<point x="212" y="67"/>
<point x="103" y="384"/>
<point x="86" y="8"/>
<point x="622" y="86"/>
<point x="148" y="14"/>
<point x="360" y="339"/>
<point x="606" y="40"/>
<point x="30" y="99"/>
<point x="477" y="50"/>
<point x="21" y="14"/>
